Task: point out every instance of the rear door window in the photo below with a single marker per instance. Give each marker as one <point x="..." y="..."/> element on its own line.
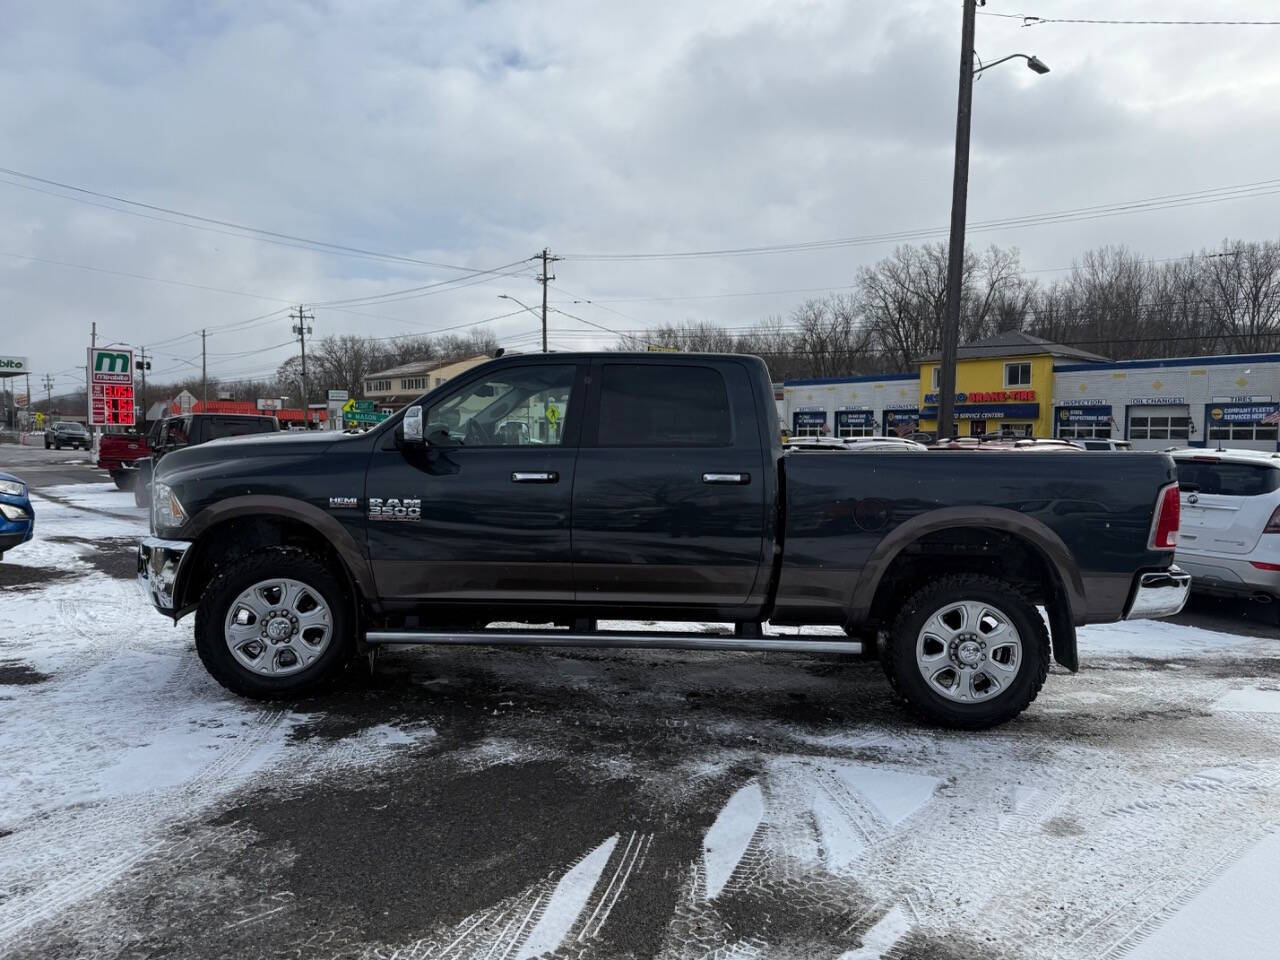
<point x="664" y="405"/>
<point x="1228" y="479"/>
<point x="234" y="426"/>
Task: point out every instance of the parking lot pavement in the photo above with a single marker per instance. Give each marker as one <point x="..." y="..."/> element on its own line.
<point x="469" y="803"/>
<point x="40" y="467"/>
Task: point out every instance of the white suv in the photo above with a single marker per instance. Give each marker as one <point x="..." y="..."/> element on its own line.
<point x="1229" y="539"/>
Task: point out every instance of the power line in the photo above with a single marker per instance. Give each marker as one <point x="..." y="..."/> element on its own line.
<point x="1243" y="191"/>
<point x="1033" y="21"/>
<point x="259" y="232"/>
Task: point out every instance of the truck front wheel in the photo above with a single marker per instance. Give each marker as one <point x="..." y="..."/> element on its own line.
<point x="276" y="624"/>
<point x="967" y="651"/>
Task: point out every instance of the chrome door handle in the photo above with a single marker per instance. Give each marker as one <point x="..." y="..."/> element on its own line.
<point x="726" y="478"/>
<point x="548" y="477"/>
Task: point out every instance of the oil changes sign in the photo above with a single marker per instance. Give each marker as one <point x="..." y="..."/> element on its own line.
<point x="110" y="387"/>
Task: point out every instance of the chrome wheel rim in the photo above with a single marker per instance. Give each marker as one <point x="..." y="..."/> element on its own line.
<point x="278" y="627"/>
<point x="969" y="651"/>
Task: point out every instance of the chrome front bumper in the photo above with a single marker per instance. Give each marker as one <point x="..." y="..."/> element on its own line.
<point x="1162" y="594"/>
<point x="159" y="566"/>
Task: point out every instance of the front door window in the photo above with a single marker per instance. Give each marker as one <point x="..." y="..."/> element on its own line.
<point x="520" y="406"/>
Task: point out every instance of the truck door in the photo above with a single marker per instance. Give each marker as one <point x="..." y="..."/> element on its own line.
<point x="669" y="500"/>
<point x="482" y="512"/>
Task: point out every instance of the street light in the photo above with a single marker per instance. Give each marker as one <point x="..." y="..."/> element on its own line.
<point x="959" y="202"/>
<point x="504" y="296"/>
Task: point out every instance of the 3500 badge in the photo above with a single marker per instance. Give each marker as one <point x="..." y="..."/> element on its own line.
<point x="393" y="509"/>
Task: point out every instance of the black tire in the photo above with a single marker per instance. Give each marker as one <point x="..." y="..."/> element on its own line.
<point x="123" y="479"/>
<point x="296" y="564"/>
<point x="47" y="444"/>
<point x="899" y="657"/>
<point x="141" y="493"/>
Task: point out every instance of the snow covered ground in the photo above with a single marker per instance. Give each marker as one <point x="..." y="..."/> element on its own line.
<point x="476" y="803"/>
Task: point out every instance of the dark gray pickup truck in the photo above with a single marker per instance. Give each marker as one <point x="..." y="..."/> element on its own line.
<point x="557" y="489"/>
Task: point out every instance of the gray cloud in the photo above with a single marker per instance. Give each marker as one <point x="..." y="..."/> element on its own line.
<point x="477" y="133"/>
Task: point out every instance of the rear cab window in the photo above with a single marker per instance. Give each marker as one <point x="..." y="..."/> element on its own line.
<point x="664" y="405"/>
<point x="1228" y="479"/>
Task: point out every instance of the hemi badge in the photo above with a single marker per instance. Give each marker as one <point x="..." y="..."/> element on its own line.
<point x="336" y="503"/>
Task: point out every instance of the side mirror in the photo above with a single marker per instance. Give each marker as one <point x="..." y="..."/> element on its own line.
<point x="411" y="426"/>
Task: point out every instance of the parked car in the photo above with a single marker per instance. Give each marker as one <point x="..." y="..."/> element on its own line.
<point x="1101" y="444"/>
<point x="17" y="518"/>
<point x="860" y="444"/>
<point x="189" y="430"/>
<point x="996" y="443"/>
<point x="67" y="433"/>
<point x="119" y="453"/>
<point x="663" y="493"/>
<point x="1230" y="536"/>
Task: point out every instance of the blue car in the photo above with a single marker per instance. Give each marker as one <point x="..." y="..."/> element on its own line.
<point x="17" y="519"/>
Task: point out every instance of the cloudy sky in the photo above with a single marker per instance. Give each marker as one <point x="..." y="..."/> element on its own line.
<point x="474" y="134"/>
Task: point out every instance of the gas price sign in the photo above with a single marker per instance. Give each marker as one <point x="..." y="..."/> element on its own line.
<point x="111" y="387"/>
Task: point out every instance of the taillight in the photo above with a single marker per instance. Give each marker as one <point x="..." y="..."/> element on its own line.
<point x="1273" y="525"/>
<point x="1164" y="531"/>
<point x="1263" y="565"/>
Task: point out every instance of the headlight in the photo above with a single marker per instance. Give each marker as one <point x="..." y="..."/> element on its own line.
<point x="166" y="508"/>
<point x="13" y="488"/>
<point x="13" y="513"/>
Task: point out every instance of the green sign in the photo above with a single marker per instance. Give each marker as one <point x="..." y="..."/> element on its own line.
<point x="365" y="416"/>
<point x="364" y="406"/>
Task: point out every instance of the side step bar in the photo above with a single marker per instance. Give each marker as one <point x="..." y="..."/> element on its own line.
<point x="606" y="638"/>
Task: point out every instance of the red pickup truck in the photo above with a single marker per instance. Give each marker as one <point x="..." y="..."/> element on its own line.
<point x="118" y="454"/>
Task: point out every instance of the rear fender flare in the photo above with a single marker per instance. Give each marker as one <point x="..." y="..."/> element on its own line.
<point x="1068" y="591"/>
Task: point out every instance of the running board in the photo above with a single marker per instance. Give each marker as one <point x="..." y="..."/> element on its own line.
<point x="605" y="638"/>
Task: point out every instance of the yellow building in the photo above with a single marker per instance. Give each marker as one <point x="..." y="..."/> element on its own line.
<point x="392" y="389"/>
<point x="1004" y="385"/>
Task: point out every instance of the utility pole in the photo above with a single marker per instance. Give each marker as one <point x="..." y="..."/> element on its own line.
<point x="544" y="279"/>
<point x="204" y="379"/>
<point x="48" y="393"/>
<point x="302" y="327"/>
<point x="144" y="365"/>
<point x="88" y="392"/>
<point x="959" y="204"/>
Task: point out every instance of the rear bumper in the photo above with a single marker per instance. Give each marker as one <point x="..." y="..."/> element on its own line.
<point x="160" y="564"/>
<point x="1229" y="575"/>
<point x="1161" y="594"/>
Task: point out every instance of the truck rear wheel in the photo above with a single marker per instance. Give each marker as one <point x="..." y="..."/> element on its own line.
<point x="123" y="479"/>
<point x="276" y="624"/>
<point x="967" y="651"/>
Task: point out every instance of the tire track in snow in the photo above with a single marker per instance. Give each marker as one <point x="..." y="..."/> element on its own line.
<point x="96" y="846"/>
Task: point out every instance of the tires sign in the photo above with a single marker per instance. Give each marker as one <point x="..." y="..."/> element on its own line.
<point x="110" y="387"/>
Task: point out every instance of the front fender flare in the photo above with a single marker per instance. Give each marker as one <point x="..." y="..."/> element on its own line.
<point x="349" y="551"/>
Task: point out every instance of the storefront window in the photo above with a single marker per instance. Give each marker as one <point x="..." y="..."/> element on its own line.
<point x="1084" y="432"/>
<point x="977" y="428"/>
<point x="1017" y="429"/>
<point x="810" y="423"/>
<point x="855" y="423"/>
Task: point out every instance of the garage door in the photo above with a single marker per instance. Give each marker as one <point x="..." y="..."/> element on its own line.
<point x="1156" y="428"/>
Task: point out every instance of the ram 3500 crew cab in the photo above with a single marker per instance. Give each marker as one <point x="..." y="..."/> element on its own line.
<point x="558" y="489"/>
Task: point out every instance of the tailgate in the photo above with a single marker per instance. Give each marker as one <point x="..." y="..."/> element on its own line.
<point x="1225" y="503"/>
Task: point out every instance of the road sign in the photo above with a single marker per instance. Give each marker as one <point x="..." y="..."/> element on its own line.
<point x="110" y="386"/>
<point x="553" y="414"/>
<point x="365" y="405"/>
<point x="338" y="396"/>
<point x="364" y="416"/>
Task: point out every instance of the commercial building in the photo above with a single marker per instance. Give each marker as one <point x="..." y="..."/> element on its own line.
<point x="392" y="389"/>
<point x="1017" y="384"/>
